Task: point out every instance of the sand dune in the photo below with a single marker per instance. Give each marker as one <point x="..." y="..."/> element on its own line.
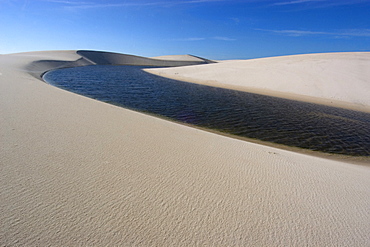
<point x="63" y="59"/>
<point x="339" y="79"/>
<point x="184" y="58"/>
<point x="75" y="171"/>
<point x="124" y="59"/>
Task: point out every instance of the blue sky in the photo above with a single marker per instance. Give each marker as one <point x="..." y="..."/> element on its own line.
<point x="215" y="29"/>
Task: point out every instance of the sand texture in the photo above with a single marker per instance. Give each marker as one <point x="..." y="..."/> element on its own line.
<point x="337" y="79"/>
<point x="78" y="172"/>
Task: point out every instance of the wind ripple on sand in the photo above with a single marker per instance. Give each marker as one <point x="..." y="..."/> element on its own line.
<point x="75" y="171"/>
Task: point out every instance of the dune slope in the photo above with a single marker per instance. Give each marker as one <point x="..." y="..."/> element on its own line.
<point x="75" y="171"/>
<point x="338" y="79"/>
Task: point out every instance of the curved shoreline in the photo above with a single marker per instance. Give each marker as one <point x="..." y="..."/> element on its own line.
<point x="75" y="171"/>
<point x="333" y="79"/>
<point x="266" y="110"/>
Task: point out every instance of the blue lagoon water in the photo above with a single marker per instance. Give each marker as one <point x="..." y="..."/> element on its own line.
<point x="269" y="119"/>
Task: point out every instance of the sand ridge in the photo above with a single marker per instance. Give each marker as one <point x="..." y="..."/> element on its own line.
<point x="37" y="65"/>
<point x="75" y="171"/>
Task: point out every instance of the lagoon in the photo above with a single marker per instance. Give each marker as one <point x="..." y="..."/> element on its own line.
<point x="241" y="114"/>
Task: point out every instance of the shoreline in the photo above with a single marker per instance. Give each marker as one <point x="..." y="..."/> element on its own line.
<point x="76" y="171"/>
<point x="266" y="92"/>
<point x="353" y="159"/>
<point x="302" y="89"/>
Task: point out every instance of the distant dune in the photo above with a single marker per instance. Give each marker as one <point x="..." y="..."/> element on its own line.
<point x="184" y="58"/>
<point x="339" y="79"/>
<point x="124" y="59"/>
<point x="78" y="172"/>
<point x="62" y="59"/>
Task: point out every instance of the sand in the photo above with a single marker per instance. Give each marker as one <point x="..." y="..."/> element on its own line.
<point x="75" y="171"/>
<point x="336" y="79"/>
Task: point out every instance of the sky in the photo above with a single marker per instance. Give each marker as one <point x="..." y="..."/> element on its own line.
<point x="214" y="29"/>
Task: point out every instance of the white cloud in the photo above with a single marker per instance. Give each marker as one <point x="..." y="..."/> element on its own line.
<point x="189" y="39"/>
<point x="296" y="2"/>
<point x="295" y="33"/>
<point x="223" y="38"/>
<point x="356" y="32"/>
<point x="340" y="33"/>
<point x="107" y="4"/>
<point x="320" y="3"/>
<point x="202" y="38"/>
<point x="68" y="2"/>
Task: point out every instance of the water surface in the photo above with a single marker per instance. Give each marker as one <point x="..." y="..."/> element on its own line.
<point x="271" y="119"/>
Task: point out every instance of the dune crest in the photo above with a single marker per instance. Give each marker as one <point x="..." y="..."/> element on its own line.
<point x="109" y="58"/>
<point x="64" y="59"/>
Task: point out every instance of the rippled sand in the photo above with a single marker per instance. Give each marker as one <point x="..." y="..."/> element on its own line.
<point x="75" y="171"/>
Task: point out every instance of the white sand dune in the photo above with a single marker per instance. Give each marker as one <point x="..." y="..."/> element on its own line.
<point x="339" y="79"/>
<point x="124" y="59"/>
<point x="78" y="172"/>
<point x="178" y="57"/>
<point x="184" y="58"/>
<point x="62" y="59"/>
